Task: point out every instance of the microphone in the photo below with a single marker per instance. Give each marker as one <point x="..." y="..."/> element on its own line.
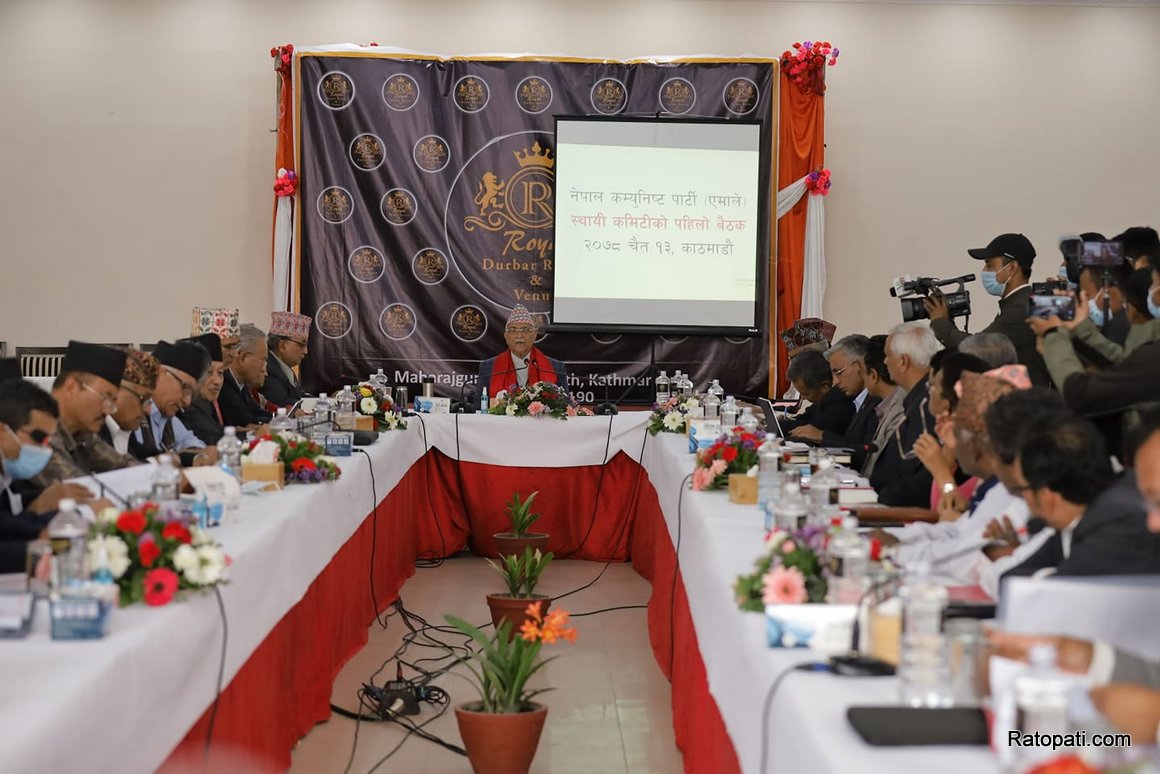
<point x="105" y="489"/>
<point x="505" y="372"/>
<point x="854" y="664"/>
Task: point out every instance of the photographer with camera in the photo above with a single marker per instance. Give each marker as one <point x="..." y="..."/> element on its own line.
<point x="1006" y="273"/>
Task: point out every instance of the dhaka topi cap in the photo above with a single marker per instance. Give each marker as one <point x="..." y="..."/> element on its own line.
<point x="290" y="325"/>
<point x="224" y="322"/>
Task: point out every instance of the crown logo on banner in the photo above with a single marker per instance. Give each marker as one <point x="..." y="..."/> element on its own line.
<point x="538" y="157"/>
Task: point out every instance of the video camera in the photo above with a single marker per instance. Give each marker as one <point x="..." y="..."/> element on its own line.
<point x="1078" y="254"/>
<point x="911" y="293"/>
<point x="1049" y="287"/>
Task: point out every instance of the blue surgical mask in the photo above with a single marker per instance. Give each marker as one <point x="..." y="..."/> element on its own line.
<point x="991" y="284"/>
<point x="31" y="460"/>
<point x="1153" y="307"/>
<point x="1063" y="271"/>
<point x="1096" y="313"/>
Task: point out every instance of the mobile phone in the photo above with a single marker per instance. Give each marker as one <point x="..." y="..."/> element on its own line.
<point x="1043" y="307"/>
<point x="1101" y="254"/>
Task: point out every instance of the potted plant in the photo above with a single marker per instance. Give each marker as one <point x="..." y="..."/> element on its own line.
<point x="521" y="573"/>
<point x="521" y="516"/>
<point x="502" y="730"/>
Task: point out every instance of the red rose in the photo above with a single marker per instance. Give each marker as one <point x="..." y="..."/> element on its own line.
<point x="132" y="522"/>
<point x="178" y="532"/>
<point x="875" y="549"/>
<point x="149" y="553"/>
<point x="160" y="585"/>
<point x="729" y="454"/>
<point x="301" y="464"/>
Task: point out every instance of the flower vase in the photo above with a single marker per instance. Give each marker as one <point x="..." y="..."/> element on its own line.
<point x="500" y="743"/>
<point x="505" y="607"/>
<point x="510" y="544"/>
<point x="742" y="489"/>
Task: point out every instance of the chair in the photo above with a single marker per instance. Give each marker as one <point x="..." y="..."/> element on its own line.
<point x="40" y="362"/>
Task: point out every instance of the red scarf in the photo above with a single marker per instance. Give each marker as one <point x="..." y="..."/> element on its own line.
<point x="503" y="376"/>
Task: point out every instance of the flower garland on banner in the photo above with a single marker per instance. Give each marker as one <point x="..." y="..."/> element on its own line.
<point x="286" y="183"/>
<point x="282" y="56"/>
<point x="730" y="453"/>
<point x="303" y="460"/>
<point x="376" y="403"/>
<point x="153" y="552"/>
<point x="670" y="417"/>
<point x="806" y="64"/>
<point x="818" y="182"/>
<point x="541" y="399"/>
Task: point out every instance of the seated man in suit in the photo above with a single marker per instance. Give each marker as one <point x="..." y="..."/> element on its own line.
<point x="247" y="372"/>
<point x="181" y="368"/>
<point x="203" y="415"/>
<point x="1064" y="473"/>
<point x="288" y="344"/>
<point x="830" y="409"/>
<point x="521" y="363"/>
<point x="848" y="371"/>
<point x="888" y="414"/>
<point x="137" y="384"/>
<point x="28" y="418"/>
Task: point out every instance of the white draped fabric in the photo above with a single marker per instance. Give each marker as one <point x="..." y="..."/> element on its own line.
<point x="283" y="250"/>
<point x="814" y="271"/>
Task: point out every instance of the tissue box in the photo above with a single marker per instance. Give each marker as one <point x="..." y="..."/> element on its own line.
<point x="742" y="489"/>
<point x="432" y="405"/>
<point x="80" y="617"/>
<point x="820" y="627"/>
<point x="362" y="422"/>
<point x="271" y="472"/>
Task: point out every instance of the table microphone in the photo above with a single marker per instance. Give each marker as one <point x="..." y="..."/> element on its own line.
<point x="105" y="489"/>
<point x="854" y="663"/>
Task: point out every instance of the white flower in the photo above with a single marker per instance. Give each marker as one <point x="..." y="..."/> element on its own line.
<point x="752" y="472"/>
<point x="116" y="551"/>
<point x="690" y="404"/>
<point x="368" y="406"/>
<point x="213" y="564"/>
<point x="392" y="421"/>
<point x="511" y="410"/>
<point x="200" y="536"/>
<point x="774" y="539"/>
<point x="673" y="421"/>
<point x="186" y="562"/>
<point x="108" y="516"/>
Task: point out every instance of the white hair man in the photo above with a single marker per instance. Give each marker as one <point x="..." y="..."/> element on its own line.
<point x="899" y="476"/>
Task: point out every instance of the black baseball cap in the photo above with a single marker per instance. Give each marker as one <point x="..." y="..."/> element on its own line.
<point x="1014" y="247"/>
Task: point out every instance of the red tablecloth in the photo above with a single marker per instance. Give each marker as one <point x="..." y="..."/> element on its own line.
<point x="284" y="688"/>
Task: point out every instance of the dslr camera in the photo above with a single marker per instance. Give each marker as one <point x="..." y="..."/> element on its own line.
<point x="1049" y="287"/>
<point x="911" y="293"/>
<point x="1078" y="254"/>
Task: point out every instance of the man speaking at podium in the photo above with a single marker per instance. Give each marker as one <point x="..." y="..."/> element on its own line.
<point x="521" y="363"/>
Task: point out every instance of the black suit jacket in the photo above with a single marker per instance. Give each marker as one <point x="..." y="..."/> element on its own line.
<point x="239" y="407"/>
<point x="16" y="530"/>
<point x="278" y="389"/>
<point x="833" y="413"/>
<point x="203" y="422"/>
<point x="900" y="481"/>
<point x="1111" y="538"/>
<point x="503" y="363"/>
<point x="859" y="434"/>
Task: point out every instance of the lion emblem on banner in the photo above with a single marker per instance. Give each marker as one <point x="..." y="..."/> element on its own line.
<point x="524" y="200"/>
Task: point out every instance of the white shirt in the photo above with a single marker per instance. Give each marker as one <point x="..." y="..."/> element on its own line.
<point x="858" y="401"/>
<point x="520" y="364"/>
<point x="987" y="573"/>
<point x="120" y="437"/>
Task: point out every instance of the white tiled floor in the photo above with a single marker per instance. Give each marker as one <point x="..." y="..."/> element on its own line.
<point x="610" y="710"/>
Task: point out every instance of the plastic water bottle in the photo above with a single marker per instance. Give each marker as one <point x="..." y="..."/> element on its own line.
<point x="712" y="405"/>
<point x="663" y="391"/>
<point x="323" y="408"/>
<point x="344" y="412"/>
<point x="378" y="381"/>
<point x="748" y="423"/>
<point x="791" y="511"/>
<point x="230" y="452"/>
<point x="728" y="414"/>
<point x="66" y="534"/>
<point x="1042" y="694"/>
<point x="715" y="388"/>
<point x="768" y="479"/>
<point x="166" y="481"/>
<point x="923" y="669"/>
<point x="281" y="426"/>
<point x="484" y="402"/>
<point x="686" y="386"/>
<point x="822" y="483"/>
<point x="849" y="563"/>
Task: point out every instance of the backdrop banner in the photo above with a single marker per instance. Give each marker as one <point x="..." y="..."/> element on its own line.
<point x="426" y="212"/>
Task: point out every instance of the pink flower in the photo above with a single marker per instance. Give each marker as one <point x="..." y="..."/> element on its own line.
<point x="701" y="478"/>
<point x="535" y="408"/>
<point x="788" y="547"/>
<point x="717" y="467"/>
<point x="783" y="586"/>
<point x="571" y="411"/>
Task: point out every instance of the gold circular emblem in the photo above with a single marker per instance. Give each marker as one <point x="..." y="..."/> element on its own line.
<point x="740" y="96"/>
<point x="400" y="92"/>
<point x="677" y="95"/>
<point x="397" y="322"/>
<point x="336" y="90"/>
<point x="366" y="264"/>
<point x="431" y="153"/>
<point x="333" y="320"/>
<point x="468" y="323"/>
<point x="608" y="96"/>
<point x="533" y="94"/>
<point x="398" y="206"/>
<point x="335" y="204"/>
<point x="429" y="266"/>
<point x="471" y="94"/>
<point x="367" y="152"/>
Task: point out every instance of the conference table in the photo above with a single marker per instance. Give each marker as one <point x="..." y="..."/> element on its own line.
<point x="312" y="564"/>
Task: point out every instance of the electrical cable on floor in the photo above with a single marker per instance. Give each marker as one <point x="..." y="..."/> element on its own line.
<point x="609" y="610"/>
<point x="220" y="678"/>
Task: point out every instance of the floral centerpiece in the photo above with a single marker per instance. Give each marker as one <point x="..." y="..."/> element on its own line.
<point x="541" y="399"/>
<point x="373" y="402"/>
<point x="805" y="65"/>
<point x="730" y="453"/>
<point x="303" y="459"/>
<point x="670" y="416"/>
<point x="789" y="570"/>
<point x="153" y="552"/>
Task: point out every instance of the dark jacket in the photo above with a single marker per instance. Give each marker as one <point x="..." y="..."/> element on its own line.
<point x="239" y="407"/>
<point x="1111" y="538"/>
<point x="832" y="413"/>
<point x="503" y="362"/>
<point x="278" y="389"/>
<point x="859" y="434"/>
<point x="899" y="476"/>
<point x="202" y="421"/>
<point x="16" y="530"/>
<point x="1012" y="323"/>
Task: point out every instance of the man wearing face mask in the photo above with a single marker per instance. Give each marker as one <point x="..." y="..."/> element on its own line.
<point x="1006" y="273"/>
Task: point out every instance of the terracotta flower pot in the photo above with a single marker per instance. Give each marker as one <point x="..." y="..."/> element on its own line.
<point x="500" y="743"/>
<point x="505" y="607"/>
<point x="509" y="544"/>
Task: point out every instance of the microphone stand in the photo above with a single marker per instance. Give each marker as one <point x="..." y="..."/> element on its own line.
<point x="608" y="408"/>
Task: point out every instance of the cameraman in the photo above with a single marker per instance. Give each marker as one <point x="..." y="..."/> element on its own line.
<point x="1006" y="272"/>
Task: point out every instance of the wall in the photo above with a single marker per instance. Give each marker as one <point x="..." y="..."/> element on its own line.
<point x="135" y="145"/>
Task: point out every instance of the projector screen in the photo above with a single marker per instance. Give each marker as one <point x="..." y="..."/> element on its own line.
<point x="658" y="224"/>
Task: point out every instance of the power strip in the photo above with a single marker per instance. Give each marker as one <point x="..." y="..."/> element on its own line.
<point x="400" y="689"/>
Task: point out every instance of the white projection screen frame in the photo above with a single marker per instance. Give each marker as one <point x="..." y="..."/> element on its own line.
<point x="659" y="226"/>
